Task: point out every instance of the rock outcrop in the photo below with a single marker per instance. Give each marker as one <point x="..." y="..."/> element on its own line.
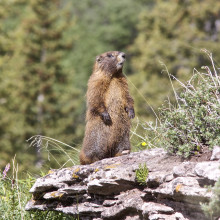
<point x="108" y="189"/>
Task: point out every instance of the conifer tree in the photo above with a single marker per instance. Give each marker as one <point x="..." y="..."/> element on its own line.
<point x="173" y="32"/>
<point x="10" y="119"/>
<point x="49" y="100"/>
<point x="101" y="26"/>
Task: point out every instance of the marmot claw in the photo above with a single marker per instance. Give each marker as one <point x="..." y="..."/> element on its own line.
<point x="130" y="112"/>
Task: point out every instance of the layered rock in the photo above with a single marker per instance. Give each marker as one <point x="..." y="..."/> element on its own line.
<point x="108" y="189"/>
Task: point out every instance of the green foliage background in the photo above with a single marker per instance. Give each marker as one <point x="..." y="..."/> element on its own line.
<point x="47" y="50"/>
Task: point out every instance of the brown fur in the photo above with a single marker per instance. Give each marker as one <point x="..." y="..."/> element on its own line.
<point x="109" y="110"/>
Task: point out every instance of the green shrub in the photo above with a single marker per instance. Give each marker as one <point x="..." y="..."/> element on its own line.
<point x="194" y="122"/>
<point x="212" y="209"/>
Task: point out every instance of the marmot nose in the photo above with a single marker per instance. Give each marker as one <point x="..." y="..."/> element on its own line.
<point x="122" y="55"/>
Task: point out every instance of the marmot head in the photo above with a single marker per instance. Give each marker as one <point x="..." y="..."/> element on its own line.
<point x="110" y="62"/>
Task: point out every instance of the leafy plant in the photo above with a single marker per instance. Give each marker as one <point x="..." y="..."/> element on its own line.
<point x="212" y="209"/>
<point x="194" y="122"/>
<point x="142" y="174"/>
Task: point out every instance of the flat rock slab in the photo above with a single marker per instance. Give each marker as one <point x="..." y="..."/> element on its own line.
<point x="108" y="189"/>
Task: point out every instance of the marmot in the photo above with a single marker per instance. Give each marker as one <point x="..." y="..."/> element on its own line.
<point x="109" y="110"/>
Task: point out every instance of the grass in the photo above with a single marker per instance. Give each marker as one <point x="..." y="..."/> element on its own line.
<point x="51" y="145"/>
<point x="14" y="195"/>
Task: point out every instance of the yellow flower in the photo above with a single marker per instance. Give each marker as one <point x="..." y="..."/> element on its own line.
<point x="143" y="144"/>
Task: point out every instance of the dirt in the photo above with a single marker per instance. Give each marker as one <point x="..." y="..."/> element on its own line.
<point x="204" y="155"/>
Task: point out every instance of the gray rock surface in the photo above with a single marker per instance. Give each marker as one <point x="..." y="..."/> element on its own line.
<point x="215" y="153"/>
<point x="108" y="189"/>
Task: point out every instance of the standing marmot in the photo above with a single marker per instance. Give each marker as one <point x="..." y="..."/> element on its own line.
<point x="109" y="110"/>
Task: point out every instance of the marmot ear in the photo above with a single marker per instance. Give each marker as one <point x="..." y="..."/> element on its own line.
<point x="98" y="58"/>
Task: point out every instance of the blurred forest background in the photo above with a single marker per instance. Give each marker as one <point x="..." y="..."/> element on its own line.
<point x="47" y="51"/>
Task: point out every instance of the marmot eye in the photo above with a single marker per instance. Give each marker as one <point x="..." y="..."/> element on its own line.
<point x="110" y="55"/>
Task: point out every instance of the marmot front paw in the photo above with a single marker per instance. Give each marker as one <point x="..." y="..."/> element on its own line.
<point x="130" y="112"/>
<point x="106" y="118"/>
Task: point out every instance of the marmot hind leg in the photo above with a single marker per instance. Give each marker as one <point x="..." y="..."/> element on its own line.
<point x="84" y="159"/>
<point x="124" y="147"/>
<point x="93" y="150"/>
<point x="87" y="159"/>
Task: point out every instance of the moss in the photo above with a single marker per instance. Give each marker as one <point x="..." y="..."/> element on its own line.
<point x="77" y="170"/>
<point x="111" y="166"/>
<point x="178" y="187"/>
<point x="96" y="170"/>
<point x="56" y="194"/>
<point x="75" y="176"/>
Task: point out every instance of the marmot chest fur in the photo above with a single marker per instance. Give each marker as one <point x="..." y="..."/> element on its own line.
<point x="109" y="110"/>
